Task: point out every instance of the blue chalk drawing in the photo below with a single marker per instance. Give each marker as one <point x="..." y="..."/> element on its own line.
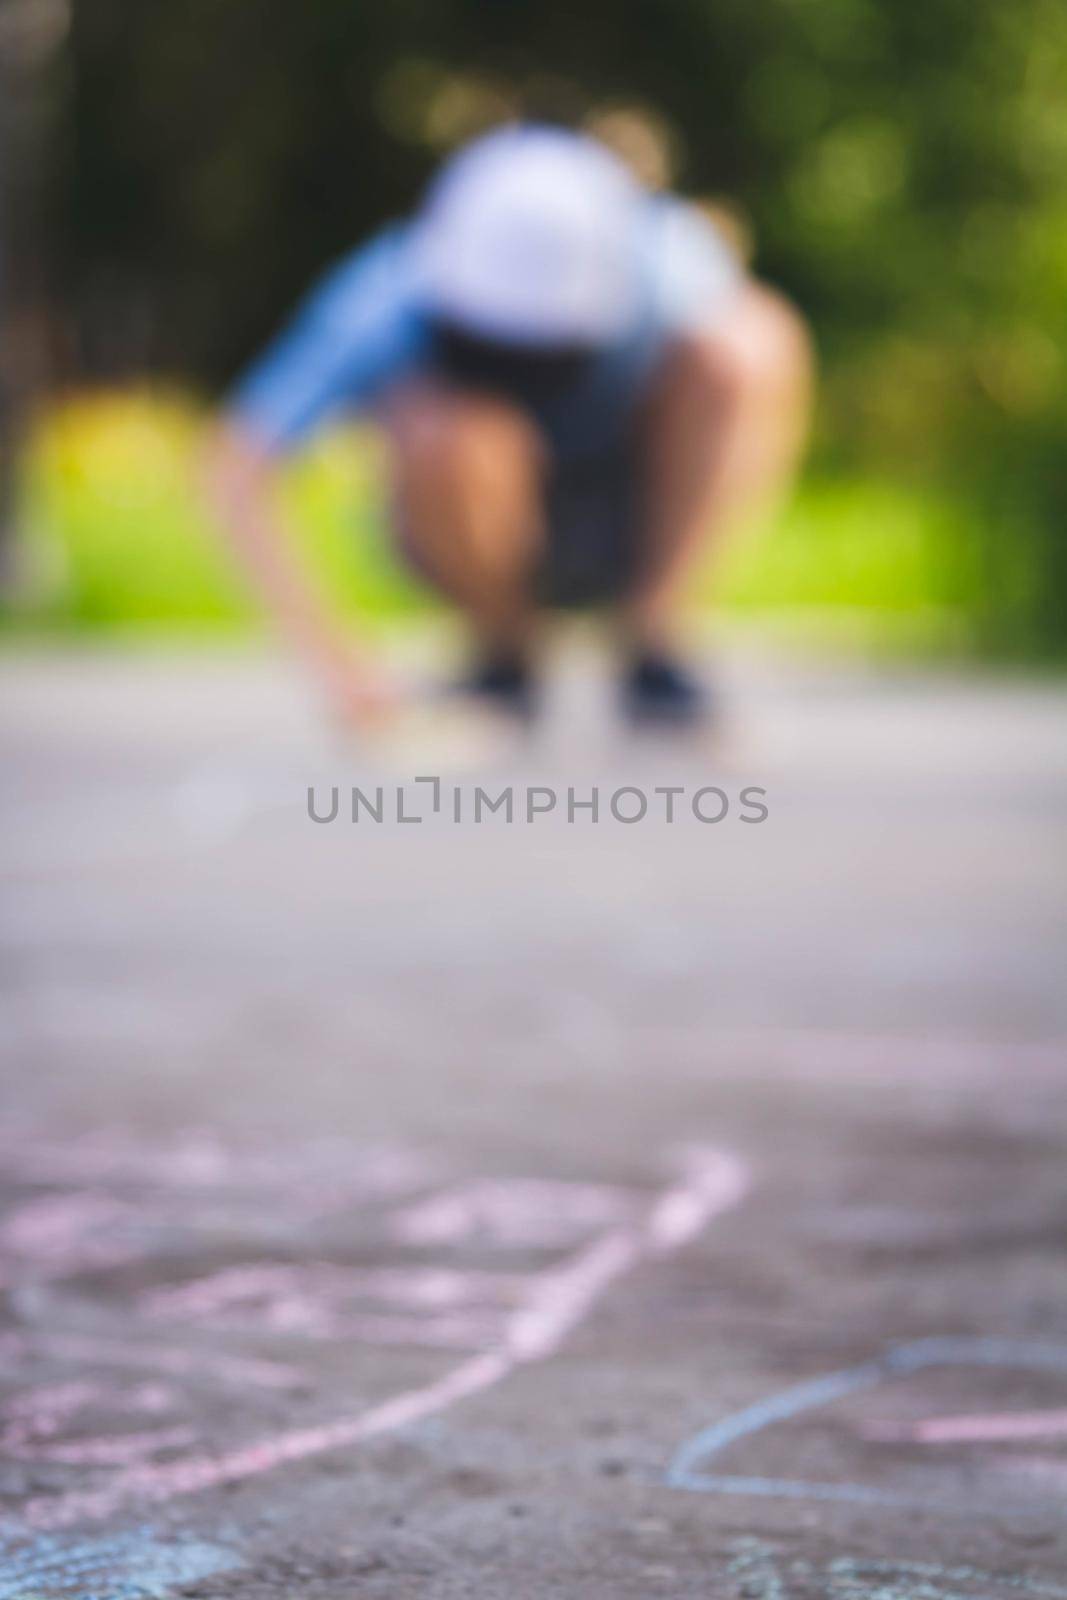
<point x="852" y="1576"/>
<point x="128" y="1566"/>
<point x="761" y="1574"/>
<point x="688" y="1468"/>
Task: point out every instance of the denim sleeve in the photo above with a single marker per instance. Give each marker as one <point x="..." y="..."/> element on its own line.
<point x="357" y="329"/>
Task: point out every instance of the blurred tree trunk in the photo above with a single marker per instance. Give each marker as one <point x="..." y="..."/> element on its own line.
<point x="8" y="344"/>
<point x="31" y="34"/>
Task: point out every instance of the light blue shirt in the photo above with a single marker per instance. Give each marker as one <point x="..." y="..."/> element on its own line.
<point x="361" y="329"/>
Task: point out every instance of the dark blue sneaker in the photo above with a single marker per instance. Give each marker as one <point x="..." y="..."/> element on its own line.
<point x="658" y="692"/>
<point x="504" y="683"/>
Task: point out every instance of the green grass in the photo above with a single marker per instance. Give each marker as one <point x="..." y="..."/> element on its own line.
<point x="117" y="533"/>
<point x="116" y="536"/>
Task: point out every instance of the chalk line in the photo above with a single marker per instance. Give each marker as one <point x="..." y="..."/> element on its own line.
<point x="762" y="1573"/>
<point x="858" y="1571"/>
<point x="194" y="1364"/>
<point x="521" y="1212"/>
<point x="562" y="1298"/>
<point x="686" y="1470"/>
<point x="129" y="1566"/>
<point x="995" y="1427"/>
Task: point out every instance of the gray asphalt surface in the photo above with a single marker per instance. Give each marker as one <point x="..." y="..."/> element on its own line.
<point x="532" y="1208"/>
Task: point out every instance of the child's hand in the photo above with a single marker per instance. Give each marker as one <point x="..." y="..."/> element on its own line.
<point x="358" y="694"/>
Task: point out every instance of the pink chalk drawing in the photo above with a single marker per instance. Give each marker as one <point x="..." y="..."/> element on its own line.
<point x="136" y="1440"/>
<point x="522" y="1213"/>
<point x="210" y="1366"/>
<point x="426" y="1288"/>
<point x="431" y="1306"/>
<point x="31" y="1420"/>
<point x="51" y="1235"/>
<point x="198" y="1159"/>
<point x="124" y="1200"/>
<point x="114" y="1450"/>
<point x="42" y="1411"/>
<point x="971" y="1430"/>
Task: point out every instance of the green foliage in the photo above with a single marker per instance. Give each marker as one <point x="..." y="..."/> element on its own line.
<point x="119" y="532"/>
<point x="121" y="538"/>
<point x="902" y="165"/>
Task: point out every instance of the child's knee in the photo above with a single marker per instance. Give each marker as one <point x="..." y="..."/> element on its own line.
<point x="465" y="442"/>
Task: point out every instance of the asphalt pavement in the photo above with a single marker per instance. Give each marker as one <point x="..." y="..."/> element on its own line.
<point x="576" y="1166"/>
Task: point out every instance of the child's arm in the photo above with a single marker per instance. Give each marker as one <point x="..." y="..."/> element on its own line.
<point x="242" y="491"/>
<point x="354" y="334"/>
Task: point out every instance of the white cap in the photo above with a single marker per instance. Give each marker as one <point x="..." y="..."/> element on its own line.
<point x="530" y="236"/>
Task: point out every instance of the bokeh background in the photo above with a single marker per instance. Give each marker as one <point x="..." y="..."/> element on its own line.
<point x="219" y="1020"/>
<point x="173" y="176"/>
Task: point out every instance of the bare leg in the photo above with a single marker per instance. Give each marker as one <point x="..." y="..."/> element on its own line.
<point x="467" y="475"/>
<point x="725" y="425"/>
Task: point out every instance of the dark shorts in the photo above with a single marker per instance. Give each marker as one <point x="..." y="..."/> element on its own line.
<point x="588" y="408"/>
